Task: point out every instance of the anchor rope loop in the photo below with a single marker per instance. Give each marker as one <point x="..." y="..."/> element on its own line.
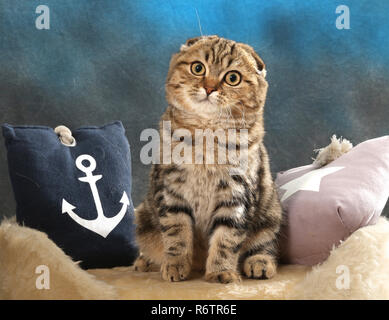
<point x="65" y="136"/>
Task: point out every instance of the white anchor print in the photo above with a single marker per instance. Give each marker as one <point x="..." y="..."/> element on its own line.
<point x="101" y="225"/>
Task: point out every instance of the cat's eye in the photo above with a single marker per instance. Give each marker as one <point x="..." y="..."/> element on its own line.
<point x="232" y="78"/>
<point x="197" y="68"/>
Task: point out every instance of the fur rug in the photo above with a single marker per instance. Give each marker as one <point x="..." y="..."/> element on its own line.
<point x="364" y="256"/>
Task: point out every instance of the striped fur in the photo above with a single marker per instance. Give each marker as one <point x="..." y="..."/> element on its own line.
<point x="199" y="216"/>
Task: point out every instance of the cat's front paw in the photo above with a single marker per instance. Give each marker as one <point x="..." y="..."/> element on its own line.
<point x="260" y="267"/>
<point x="226" y="276"/>
<point x="175" y="270"/>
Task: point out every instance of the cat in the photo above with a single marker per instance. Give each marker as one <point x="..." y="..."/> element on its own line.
<point x="201" y="216"/>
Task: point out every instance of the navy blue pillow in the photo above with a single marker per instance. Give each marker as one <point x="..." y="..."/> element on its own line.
<point x="80" y="196"/>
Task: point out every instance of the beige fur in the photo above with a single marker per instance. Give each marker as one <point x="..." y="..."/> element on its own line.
<point x="23" y="249"/>
<point x="365" y="252"/>
<point x="333" y="151"/>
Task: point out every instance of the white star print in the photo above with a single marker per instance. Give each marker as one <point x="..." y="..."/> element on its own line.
<point x="309" y="181"/>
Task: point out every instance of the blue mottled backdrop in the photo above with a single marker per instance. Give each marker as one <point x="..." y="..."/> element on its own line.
<point x="107" y="60"/>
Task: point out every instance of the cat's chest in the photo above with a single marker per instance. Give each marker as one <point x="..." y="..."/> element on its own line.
<point x="200" y="192"/>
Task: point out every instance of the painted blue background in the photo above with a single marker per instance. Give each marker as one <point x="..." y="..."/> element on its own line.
<point x="107" y="60"/>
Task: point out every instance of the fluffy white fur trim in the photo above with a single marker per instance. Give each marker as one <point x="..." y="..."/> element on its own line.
<point x="23" y="249"/>
<point x="333" y="151"/>
<point x="364" y="257"/>
<point x="365" y="254"/>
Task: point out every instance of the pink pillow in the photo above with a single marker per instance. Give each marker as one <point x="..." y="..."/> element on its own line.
<point x="327" y="204"/>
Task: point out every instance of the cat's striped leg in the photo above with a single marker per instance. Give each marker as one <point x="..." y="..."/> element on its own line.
<point x="260" y="251"/>
<point x="177" y="236"/>
<point x="176" y="221"/>
<point x="227" y="232"/>
<point x="260" y="261"/>
<point x="223" y="254"/>
<point x="228" y="229"/>
<point x="148" y="238"/>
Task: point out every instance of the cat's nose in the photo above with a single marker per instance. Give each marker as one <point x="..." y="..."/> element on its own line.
<point x="209" y="90"/>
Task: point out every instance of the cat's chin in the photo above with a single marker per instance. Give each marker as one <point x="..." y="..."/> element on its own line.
<point x="196" y="108"/>
<point x="206" y="106"/>
<point x="205" y="102"/>
<point x="200" y="107"/>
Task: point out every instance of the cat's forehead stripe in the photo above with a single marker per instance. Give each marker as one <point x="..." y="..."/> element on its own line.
<point x="222" y="54"/>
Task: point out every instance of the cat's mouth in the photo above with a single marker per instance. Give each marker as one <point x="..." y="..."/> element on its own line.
<point x="202" y="97"/>
<point x="205" y="99"/>
<point x="208" y="102"/>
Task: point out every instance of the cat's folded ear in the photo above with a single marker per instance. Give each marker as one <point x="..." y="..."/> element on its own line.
<point x="192" y="41"/>
<point x="189" y="43"/>
<point x="261" y="67"/>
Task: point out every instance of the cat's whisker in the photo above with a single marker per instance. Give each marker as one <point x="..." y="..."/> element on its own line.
<point x="220" y="114"/>
<point x="241" y="109"/>
<point x="198" y="21"/>
<point x="230" y="116"/>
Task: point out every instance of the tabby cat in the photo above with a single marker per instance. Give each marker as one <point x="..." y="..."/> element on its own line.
<point x="201" y="216"/>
